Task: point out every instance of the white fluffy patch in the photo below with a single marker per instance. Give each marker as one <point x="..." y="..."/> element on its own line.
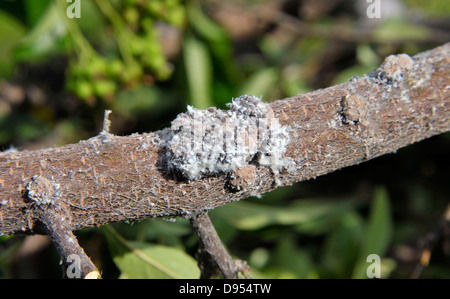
<point x="212" y="141"/>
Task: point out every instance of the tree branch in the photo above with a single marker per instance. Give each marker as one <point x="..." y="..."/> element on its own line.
<point x="109" y="178"/>
<point x="212" y="255"/>
<point x="46" y="205"/>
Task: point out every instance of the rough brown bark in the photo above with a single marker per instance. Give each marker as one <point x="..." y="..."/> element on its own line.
<point x="109" y="178"/>
<point x="212" y="255"/>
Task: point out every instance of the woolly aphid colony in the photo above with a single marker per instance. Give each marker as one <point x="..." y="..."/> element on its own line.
<point x="213" y="141"/>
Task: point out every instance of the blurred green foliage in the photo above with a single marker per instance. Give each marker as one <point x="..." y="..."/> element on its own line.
<point x="145" y="60"/>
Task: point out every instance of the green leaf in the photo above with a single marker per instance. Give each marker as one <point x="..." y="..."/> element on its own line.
<point x="394" y="30"/>
<point x="11" y="30"/>
<point x="46" y="37"/>
<point x="165" y="232"/>
<point x="432" y="8"/>
<point x="342" y="246"/>
<point x="220" y="47"/>
<point x="136" y="101"/>
<point x="252" y="216"/>
<point x="292" y="83"/>
<point x="378" y="233"/>
<point x="379" y="230"/>
<point x="261" y="83"/>
<point x="204" y="25"/>
<point x="198" y="72"/>
<point x="140" y="260"/>
<point x="367" y="56"/>
<point x="34" y="10"/>
<point x="292" y="259"/>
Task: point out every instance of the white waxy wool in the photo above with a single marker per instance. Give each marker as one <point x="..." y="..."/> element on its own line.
<point x="213" y="141"/>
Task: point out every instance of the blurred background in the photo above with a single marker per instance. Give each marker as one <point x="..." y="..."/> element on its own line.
<point x="63" y="63"/>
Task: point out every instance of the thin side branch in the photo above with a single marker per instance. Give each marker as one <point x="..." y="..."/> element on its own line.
<point x="212" y="255"/>
<point x="109" y="178"/>
<point x="428" y="243"/>
<point x="75" y="262"/>
<point x="43" y="195"/>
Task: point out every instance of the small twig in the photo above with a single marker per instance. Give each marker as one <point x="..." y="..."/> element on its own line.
<point x="428" y="243"/>
<point x="106" y="123"/>
<point x="212" y="255"/>
<point x="75" y="262"/>
<point x="49" y="209"/>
